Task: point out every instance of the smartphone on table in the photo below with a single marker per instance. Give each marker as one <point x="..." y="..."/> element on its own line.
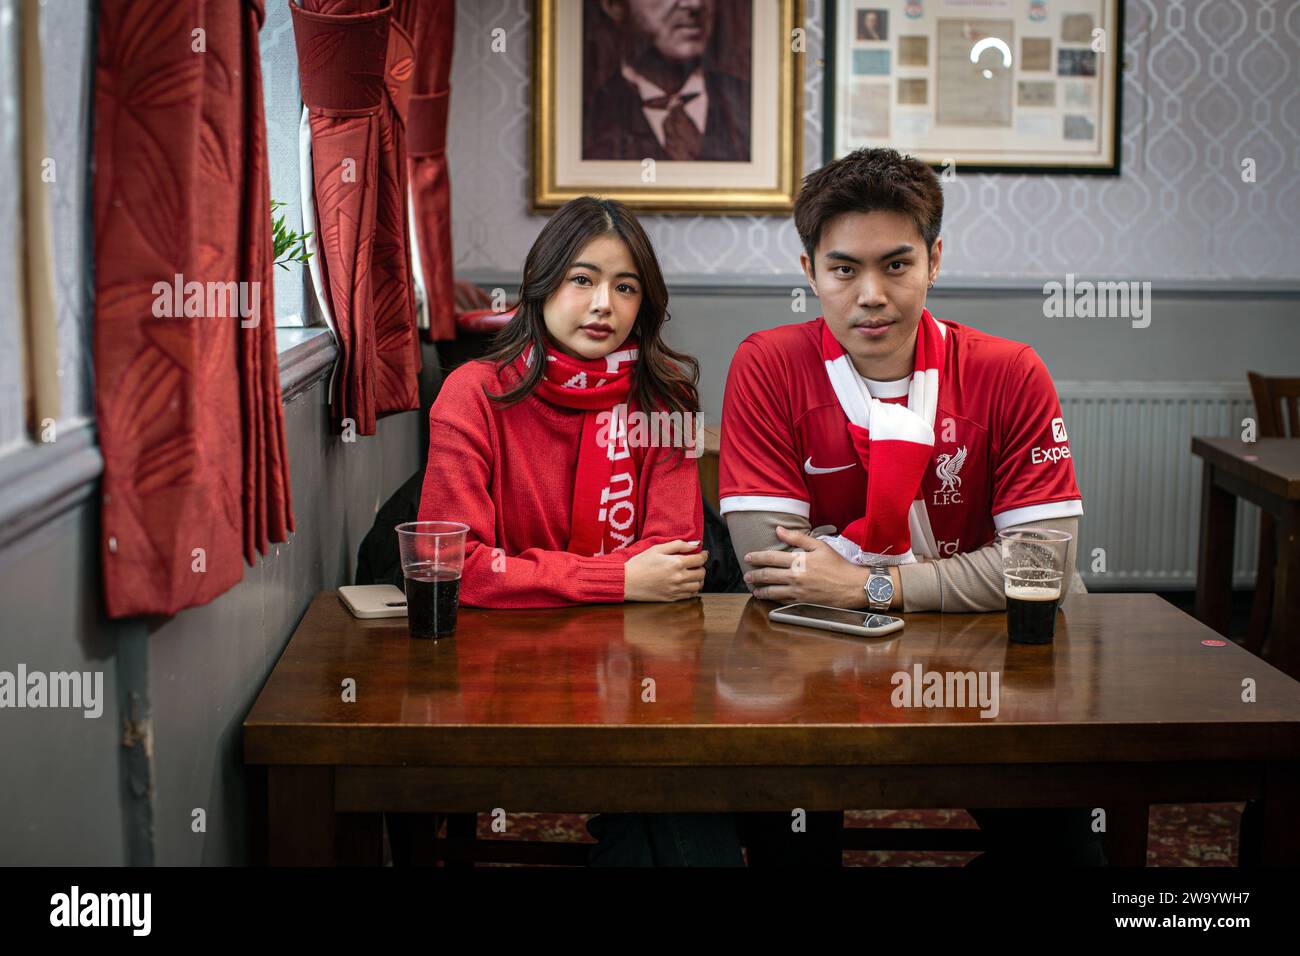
<point x="843" y="620"/>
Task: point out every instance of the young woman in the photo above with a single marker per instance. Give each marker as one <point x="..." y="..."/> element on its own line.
<point x="561" y="509"/>
<point x="521" y="446"/>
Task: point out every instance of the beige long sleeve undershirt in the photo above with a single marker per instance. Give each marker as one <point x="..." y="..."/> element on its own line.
<point x="964" y="583"/>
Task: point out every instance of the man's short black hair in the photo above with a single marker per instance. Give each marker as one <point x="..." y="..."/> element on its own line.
<point x="868" y="180"/>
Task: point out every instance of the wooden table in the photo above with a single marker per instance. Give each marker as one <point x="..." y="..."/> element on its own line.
<point x="547" y="711"/>
<point x="1267" y="473"/>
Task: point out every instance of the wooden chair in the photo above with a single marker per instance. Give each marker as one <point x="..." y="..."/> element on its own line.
<point x="1277" y="411"/>
<point x="475" y="334"/>
<point x="708" y="464"/>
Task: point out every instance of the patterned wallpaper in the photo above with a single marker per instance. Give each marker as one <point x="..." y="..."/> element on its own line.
<point x="1206" y="84"/>
<point x="65" y="34"/>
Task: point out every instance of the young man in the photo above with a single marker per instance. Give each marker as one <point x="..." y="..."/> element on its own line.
<point x="869" y="456"/>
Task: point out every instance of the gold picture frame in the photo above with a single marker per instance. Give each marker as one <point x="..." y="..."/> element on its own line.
<point x="760" y="176"/>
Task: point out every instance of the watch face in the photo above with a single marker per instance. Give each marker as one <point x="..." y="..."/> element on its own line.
<point x="880" y="588"/>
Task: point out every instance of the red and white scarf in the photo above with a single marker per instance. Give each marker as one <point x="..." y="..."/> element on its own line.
<point x="604" y="516"/>
<point x="895" y="445"/>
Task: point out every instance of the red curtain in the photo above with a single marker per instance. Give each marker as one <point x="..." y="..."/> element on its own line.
<point x="432" y="24"/>
<point x="187" y="389"/>
<point x="355" y="66"/>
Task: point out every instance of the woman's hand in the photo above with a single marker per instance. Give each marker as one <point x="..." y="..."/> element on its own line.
<point x="665" y="572"/>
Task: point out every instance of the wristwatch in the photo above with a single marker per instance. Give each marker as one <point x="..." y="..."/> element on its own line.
<point x="880" y="589"/>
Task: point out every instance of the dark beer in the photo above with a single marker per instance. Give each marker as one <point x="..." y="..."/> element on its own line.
<point x="432" y="597"/>
<point x="1031" y="606"/>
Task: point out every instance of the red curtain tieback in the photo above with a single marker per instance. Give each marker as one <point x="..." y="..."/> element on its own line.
<point x="342" y="60"/>
<point x="426" y="127"/>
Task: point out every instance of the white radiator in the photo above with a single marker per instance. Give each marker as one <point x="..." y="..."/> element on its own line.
<point x="1131" y="443"/>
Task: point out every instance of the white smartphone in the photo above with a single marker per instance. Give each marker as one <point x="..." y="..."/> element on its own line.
<point x="861" y="623"/>
<point x="374" y="600"/>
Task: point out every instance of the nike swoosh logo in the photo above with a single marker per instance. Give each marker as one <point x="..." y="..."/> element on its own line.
<point x="808" y="467"/>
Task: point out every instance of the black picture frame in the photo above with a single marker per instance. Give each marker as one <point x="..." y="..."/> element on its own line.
<point x="829" y="33"/>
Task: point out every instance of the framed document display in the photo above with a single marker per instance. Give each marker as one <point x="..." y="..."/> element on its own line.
<point x="668" y="107"/>
<point x="985" y="85"/>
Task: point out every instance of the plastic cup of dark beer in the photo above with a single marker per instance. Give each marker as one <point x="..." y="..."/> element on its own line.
<point x="1033" y="568"/>
<point x="433" y="556"/>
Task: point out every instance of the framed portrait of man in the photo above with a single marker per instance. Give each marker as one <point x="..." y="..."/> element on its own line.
<point x="985" y="85"/>
<point x="666" y="106"/>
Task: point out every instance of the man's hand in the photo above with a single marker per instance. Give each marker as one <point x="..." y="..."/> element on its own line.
<point x="816" y="574"/>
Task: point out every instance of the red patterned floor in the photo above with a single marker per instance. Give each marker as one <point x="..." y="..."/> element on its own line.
<point x="1201" y="834"/>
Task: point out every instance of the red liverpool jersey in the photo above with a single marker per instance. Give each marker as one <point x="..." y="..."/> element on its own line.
<point x="1001" y="455"/>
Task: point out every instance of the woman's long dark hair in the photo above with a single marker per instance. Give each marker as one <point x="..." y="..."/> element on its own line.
<point x="664" y="380"/>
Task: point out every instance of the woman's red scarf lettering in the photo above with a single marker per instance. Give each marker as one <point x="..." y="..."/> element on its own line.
<point x="604" y="518"/>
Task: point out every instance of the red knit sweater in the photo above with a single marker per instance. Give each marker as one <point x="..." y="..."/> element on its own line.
<point x="508" y="473"/>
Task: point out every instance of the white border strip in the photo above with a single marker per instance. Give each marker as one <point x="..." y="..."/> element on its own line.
<point x="1052" y="509"/>
<point x="790" y="506"/>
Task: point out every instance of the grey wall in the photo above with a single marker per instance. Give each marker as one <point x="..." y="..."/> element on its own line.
<point x="1209" y="336"/>
<point x="207" y="665"/>
<point x="70" y="792"/>
<point x="1199" y="332"/>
